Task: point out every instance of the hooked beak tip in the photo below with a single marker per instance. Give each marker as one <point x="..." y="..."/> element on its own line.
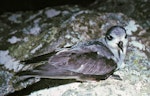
<point x="120" y="45"/>
<point x="121" y="49"/>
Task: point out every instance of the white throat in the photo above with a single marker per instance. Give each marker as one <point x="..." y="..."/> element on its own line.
<point x="119" y="55"/>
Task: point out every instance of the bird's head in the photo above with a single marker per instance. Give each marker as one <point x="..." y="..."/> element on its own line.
<point x="116" y="38"/>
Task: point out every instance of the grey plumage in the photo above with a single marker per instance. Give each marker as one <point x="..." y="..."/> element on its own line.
<point x="92" y="60"/>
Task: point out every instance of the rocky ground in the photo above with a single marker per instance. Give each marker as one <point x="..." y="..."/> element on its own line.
<point x="24" y="35"/>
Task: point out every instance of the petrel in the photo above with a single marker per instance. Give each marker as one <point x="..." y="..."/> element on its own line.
<point x="92" y="60"/>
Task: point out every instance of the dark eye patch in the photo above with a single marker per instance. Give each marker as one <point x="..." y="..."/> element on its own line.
<point x="109" y="37"/>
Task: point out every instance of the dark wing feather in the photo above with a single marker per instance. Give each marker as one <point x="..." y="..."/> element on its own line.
<point x="49" y="71"/>
<point x="89" y="63"/>
<point x="39" y="58"/>
<point x="93" y="59"/>
<point x="82" y="61"/>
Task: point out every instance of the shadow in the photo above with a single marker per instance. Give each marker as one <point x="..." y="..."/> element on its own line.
<point x="32" y="5"/>
<point x="42" y="84"/>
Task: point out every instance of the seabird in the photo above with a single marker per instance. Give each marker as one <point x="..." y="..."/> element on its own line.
<point x="92" y="60"/>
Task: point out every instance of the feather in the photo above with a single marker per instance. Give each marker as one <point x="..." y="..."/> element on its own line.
<point x="92" y="60"/>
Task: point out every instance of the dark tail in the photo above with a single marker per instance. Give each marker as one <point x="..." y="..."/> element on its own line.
<point x="39" y="58"/>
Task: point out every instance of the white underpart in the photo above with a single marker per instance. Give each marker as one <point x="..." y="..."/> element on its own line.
<point x="116" y="58"/>
<point x="119" y="61"/>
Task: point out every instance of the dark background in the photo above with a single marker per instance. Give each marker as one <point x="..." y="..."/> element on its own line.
<point x="26" y="5"/>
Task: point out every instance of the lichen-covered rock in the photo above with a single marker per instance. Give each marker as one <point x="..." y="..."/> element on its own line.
<point x="30" y="34"/>
<point x="5" y="86"/>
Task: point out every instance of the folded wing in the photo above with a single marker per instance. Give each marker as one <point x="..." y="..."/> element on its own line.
<point x="88" y="60"/>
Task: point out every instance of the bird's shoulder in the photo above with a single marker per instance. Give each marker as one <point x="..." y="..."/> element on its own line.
<point x="97" y="46"/>
<point x="85" y="63"/>
<point x="92" y="57"/>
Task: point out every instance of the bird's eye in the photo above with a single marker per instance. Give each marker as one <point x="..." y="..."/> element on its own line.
<point x="126" y="36"/>
<point x="109" y="37"/>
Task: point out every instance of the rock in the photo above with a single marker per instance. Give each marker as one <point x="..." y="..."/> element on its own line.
<point x="50" y="29"/>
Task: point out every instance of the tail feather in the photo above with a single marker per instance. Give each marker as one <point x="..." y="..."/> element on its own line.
<point x="40" y="58"/>
<point x="50" y="72"/>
